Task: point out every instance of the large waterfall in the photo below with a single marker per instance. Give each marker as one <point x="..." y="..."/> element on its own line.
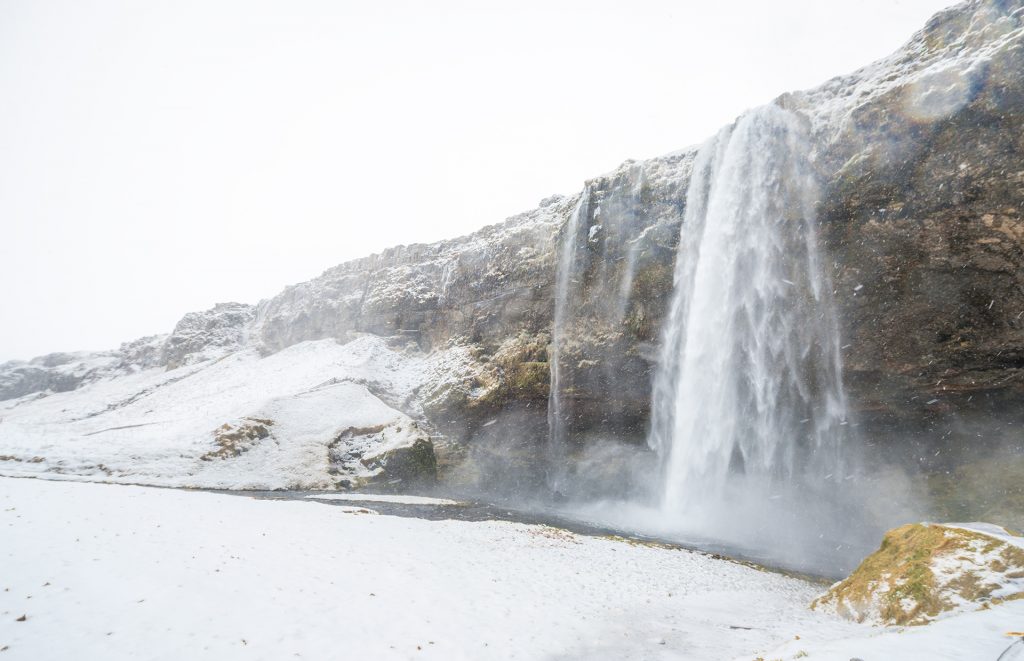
<point x="748" y="403"/>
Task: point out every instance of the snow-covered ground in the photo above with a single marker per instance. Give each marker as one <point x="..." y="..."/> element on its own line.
<point x="117" y="572"/>
<point x="158" y="426"/>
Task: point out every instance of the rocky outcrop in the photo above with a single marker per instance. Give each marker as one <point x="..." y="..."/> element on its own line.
<point x="197" y="337"/>
<point x="484" y="287"/>
<point x="232" y="439"/>
<point x="926" y="571"/>
<point x="202" y="335"/>
<point x="389" y="456"/>
<point x="62" y="372"/>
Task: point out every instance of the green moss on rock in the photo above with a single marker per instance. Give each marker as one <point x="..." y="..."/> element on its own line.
<point x="922" y="571"/>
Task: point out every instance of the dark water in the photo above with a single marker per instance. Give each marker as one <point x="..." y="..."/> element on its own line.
<point x="476" y="511"/>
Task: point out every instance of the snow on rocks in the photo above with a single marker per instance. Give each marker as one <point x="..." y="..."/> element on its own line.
<point x="208" y="334"/>
<point x="931" y="76"/>
<point x="197" y="337"/>
<point x="397" y="453"/>
<point x="61" y="372"/>
<point x="239" y="421"/>
<point x="923" y="572"/>
<point x="418" y="290"/>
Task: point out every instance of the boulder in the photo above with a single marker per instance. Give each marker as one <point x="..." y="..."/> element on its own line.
<point x="925" y="571"/>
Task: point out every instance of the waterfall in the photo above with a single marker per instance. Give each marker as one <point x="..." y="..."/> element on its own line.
<point x="600" y="243"/>
<point x="748" y="399"/>
<point x="565" y="270"/>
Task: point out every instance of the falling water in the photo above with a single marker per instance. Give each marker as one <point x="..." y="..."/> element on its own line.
<point x="748" y="401"/>
<point x="600" y="243"/>
<point x="565" y="270"/>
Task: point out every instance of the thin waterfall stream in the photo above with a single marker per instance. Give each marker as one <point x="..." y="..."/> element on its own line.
<point x="564" y="275"/>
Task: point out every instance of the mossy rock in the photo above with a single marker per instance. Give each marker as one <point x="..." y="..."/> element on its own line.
<point x="922" y="571"/>
<point x="234" y="439"/>
<point x="413" y="464"/>
<point x="517" y="371"/>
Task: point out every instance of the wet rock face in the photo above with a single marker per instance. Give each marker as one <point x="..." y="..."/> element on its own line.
<point x="619" y="282"/>
<point x="923" y="220"/>
<point x="412" y="465"/>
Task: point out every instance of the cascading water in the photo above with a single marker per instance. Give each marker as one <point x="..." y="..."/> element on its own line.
<point x="564" y="273"/>
<point x="600" y="245"/>
<point x="748" y="405"/>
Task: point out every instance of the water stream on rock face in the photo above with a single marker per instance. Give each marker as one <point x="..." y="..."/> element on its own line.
<point x="748" y="415"/>
<point x="598" y="255"/>
<point x="564" y="277"/>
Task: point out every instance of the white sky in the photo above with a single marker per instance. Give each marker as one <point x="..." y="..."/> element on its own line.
<point x="159" y="157"/>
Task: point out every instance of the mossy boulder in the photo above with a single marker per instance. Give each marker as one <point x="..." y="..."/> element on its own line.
<point x="924" y="571"/>
<point x="410" y="464"/>
<point x="233" y="439"/>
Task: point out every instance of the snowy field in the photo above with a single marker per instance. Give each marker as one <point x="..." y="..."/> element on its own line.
<point x="118" y="572"/>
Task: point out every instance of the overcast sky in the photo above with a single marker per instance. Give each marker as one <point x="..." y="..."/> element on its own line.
<point x="159" y="157"/>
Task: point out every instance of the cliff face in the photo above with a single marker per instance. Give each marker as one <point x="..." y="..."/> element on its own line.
<point x="483" y="288"/>
<point x="921" y="163"/>
<point x="923" y="218"/>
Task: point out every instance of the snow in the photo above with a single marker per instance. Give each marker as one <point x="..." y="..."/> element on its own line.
<point x="992" y="530"/>
<point x="977" y="635"/>
<point x="155" y="426"/>
<point x="124" y="572"/>
<point x="933" y="72"/>
<point x="385" y="498"/>
<point x="117" y="572"/>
